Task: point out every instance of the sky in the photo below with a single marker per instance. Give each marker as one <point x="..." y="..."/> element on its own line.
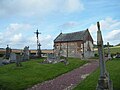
<point x="19" y="19"/>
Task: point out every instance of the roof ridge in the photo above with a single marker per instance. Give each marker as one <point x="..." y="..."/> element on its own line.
<point x="74" y="32"/>
<point x="70" y="36"/>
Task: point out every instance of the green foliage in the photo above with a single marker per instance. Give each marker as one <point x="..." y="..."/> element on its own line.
<point x="118" y="44"/>
<point x="33" y="72"/>
<point x="107" y="45"/>
<point x="1" y="55"/>
<point x="96" y="55"/>
<point x="90" y="83"/>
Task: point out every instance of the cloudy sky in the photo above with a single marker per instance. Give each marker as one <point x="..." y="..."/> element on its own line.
<point x="19" y="19"/>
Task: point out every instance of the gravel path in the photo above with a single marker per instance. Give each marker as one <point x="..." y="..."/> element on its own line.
<point x="68" y="80"/>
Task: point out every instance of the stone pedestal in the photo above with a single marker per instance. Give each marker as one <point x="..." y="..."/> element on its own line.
<point x="109" y="57"/>
<point x="104" y="83"/>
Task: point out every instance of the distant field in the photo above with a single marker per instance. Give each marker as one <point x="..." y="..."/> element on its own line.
<point x="32" y="72"/>
<point x="113" y="50"/>
<point x="90" y="82"/>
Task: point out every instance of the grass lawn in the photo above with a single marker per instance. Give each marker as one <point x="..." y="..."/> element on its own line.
<point x="113" y="67"/>
<point x="32" y="72"/>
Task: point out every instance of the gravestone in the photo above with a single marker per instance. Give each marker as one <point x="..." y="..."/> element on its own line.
<point x="109" y="55"/>
<point x="18" y="60"/>
<point x="8" y="51"/>
<point x="51" y="58"/>
<point x="1" y="62"/>
<point x="12" y="57"/>
<point x="26" y="53"/>
<point x="104" y="82"/>
<point x="117" y="55"/>
<point x="65" y="61"/>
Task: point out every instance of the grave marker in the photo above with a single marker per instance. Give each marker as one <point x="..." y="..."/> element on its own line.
<point x="26" y="53"/>
<point x="12" y="57"/>
<point x="104" y="82"/>
<point x="18" y="60"/>
<point x="1" y="62"/>
<point x="8" y="51"/>
<point x="109" y="55"/>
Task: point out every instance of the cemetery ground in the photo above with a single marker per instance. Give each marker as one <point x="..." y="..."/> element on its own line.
<point x="33" y="72"/>
<point x="113" y="67"/>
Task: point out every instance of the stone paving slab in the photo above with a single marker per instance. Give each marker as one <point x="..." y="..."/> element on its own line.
<point x="68" y="80"/>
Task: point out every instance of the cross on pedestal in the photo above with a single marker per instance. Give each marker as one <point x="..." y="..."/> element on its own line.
<point x="104" y="82"/>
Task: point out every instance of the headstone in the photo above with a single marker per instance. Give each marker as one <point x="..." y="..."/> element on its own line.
<point x="104" y="82"/>
<point x="12" y="57"/>
<point x="65" y="61"/>
<point x="1" y="62"/>
<point x="18" y="60"/>
<point x="8" y="51"/>
<point x="109" y="55"/>
<point x="26" y="53"/>
<point x="117" y="55"/>
<point x="5" y="61"/>
<point x="51" y="58"/>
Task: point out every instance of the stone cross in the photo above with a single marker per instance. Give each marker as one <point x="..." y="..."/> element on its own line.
<point x="8" y="51"/>
<point x="104" y="82"/>
<point x="109" y="55"/>
<point x="100" y="51"/>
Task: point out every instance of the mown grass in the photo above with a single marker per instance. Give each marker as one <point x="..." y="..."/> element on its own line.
<point x="32" y="72"/>
<point x="113" y="67"/>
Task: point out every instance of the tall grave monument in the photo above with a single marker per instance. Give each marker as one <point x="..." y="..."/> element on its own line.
<point x="104" y="82"/>
<point x="109" y="55"/>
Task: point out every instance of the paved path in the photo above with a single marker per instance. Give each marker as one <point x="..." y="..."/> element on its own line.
<point x="68" y="80"/>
